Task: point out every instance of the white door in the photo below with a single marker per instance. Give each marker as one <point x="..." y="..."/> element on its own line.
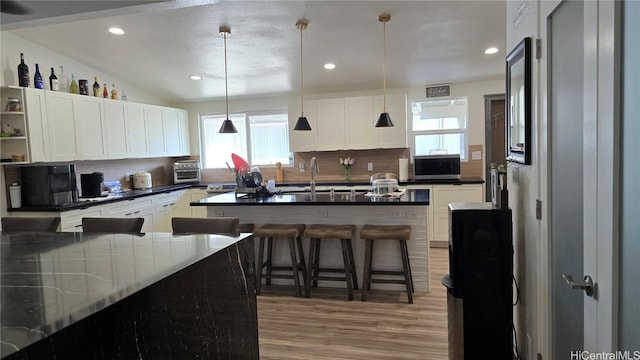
<point x="579" y="189"/>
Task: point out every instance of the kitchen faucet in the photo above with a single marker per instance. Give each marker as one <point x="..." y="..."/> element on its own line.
<point x="313" y="164"/>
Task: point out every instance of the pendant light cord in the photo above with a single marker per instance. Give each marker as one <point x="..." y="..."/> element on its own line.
<point x="226" y="88"/>
<point x="384" y="65"/>
<point x="301" y="25"/>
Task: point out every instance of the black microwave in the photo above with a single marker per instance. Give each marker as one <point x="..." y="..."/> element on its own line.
<point x="437" y="166"/>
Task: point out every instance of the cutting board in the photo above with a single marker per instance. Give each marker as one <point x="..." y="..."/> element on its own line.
<point x="279" y="173"/>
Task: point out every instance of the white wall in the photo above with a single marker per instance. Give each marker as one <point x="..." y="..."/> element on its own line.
<point x="523" y="183"/>
<point x="12" y="45"/>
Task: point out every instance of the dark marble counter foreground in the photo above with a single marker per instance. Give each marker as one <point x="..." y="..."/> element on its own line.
<point x="109" y="296"/>
<point x="341" y="198"/>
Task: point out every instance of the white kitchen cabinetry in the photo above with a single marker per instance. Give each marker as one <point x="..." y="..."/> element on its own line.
<point x="38" y="134"/>
<point x="171" y="124"/>
<point x="90" y="124"/>
<point x="12" y="121"/>
<point x="153" y="120"/>
<point x="136" y="131"/>
<point x="330" y="119"/>
<point x="183" y="119"/>
<point x="198" y="194"/>
<point x="136" y="208"/>
<point x="301" y="141"/>
<point x="166" y="206"/>
<point x="115" y="114"/>
<point x="439" y="199"/>
<point x="72" y="220"/>
<point x="64" y="126"/>
<point x="359" y="122"/>
<point x="395" y="136"/>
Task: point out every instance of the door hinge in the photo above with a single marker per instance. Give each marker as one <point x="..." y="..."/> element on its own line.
<point x="538" y="209"/>
<point x="538" y="48"/>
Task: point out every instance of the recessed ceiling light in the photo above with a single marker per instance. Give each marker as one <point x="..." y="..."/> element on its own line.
<point x="195" y="77"/>
<point x="491" y="50"/>
<point x="116" y="31"/>
<point x="329" y="66"/>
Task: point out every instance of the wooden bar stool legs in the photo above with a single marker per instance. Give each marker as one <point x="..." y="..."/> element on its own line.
<point x="342" y="232"/>
<point x="269" y="232"/>
<point x="401" y="233"/>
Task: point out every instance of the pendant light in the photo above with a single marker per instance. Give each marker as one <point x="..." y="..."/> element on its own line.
<point x="384" y="120"/>
<point x="302" y="124"/>
<point x="227" y="125"/>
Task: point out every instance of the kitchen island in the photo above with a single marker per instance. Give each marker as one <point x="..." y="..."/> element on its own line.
<point x="120" y="296"/>
<point x="292" y="208"/>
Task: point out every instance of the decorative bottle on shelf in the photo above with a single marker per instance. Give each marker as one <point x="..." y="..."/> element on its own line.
<point x="114" y="92"/>
<point x="23" y="72"/>
<point x="105" y="92"/>
<point x="73" y="88"/>
<point x="63" y="85"/>
<point x="53" y="81"/>
<point x="96" y="87"/>
<point x="37" y="79"/>
<point x="123" y="95"/>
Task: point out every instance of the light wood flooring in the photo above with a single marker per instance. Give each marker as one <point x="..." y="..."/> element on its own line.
<point x="327" y="326"/>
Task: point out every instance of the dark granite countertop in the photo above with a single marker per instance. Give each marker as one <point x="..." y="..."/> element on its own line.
<point x="410" y="197"/>
<point x="52" y="280"/>
<point x="128" y="195"/>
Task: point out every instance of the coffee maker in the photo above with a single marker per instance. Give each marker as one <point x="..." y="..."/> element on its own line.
<point x="91" y="184"/>
<point x="49" y="185"/>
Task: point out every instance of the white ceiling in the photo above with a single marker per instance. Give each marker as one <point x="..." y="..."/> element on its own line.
<point x="428" y="42"/>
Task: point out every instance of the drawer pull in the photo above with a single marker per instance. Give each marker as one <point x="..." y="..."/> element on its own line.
<point x="136" y="212"/>
<point x="127" y="214"/>
<point x="77" y="226"/>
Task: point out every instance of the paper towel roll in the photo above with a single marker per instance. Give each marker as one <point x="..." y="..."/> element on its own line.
<point x="403" y="169"/>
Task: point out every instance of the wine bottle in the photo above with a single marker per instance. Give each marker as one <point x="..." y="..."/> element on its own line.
<point x="96" y="87"/>
<point x="53" y="81"/>
<point x="37" y="79"/>
<point x="23" y="72"/>
<point x="73" y="88"/>
<point x="105" y="92"/>
<point x="63" y="85"/>
<point x="114" y="92"/>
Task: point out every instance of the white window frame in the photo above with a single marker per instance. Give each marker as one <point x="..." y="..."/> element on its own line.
<point x="247" y="115"/>
<point x="464" y="156"/>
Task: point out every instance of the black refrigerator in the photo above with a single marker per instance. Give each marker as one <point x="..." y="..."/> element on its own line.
<point x="479" y="283"/>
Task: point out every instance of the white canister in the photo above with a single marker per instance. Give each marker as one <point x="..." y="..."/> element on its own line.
<point x="16" y="195"/>
<point x="403" y="169"/>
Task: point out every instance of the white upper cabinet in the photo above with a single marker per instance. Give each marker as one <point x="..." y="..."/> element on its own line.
<point x="330" y="119"/>
<point x="155" y="130"/>
<point x="396" y="136"/>
<point x="36" y="107"/>
<point x="136" y="131"/>
<point x="301" y="141"/>
<point x="89" y="112"/>
<point x="64" y="127"/>
<point x="171" y="123"/>
<point x="359" y="122"/>
<point x="349" y="123"/>
<point x="183" y="118"/>
<point x="115" y="114"/>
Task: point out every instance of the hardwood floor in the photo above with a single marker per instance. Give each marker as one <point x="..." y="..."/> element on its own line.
<point x="327" y="326"/>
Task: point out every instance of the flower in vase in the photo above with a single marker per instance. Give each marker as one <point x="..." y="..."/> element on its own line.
<point x="346" y="164"/>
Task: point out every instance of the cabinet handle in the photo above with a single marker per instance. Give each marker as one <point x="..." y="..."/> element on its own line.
<point x="165" y="205"/>
<point x="136" y="212"/>
<point x="127" y="214"/>
<point x="79" y="225"/>
<point x="172" y="204"/>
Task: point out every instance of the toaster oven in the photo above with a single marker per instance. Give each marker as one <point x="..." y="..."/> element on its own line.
<point x="437" y="166"/>
<point x="186" y="171"/>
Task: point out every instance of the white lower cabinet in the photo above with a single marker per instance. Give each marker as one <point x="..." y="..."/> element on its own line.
<point x="439" y="199"/>
<point x="72" y="220"/>
<point x="136" y="208"/>
<point x="167" y="206"/>
<point x="198" y="194"/>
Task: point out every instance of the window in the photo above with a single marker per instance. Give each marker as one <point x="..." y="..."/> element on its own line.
<point x="439" y="127"/>
<point x="266" y="141"/>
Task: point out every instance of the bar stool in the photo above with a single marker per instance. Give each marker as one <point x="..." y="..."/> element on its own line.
<point x="273" y="231"/>
<point x="344" y="233"/>
<point x="402" y="233"/>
